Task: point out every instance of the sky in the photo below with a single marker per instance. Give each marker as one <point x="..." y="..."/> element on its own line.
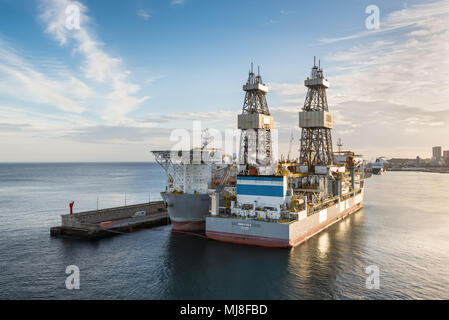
<point x="135" y="71"/>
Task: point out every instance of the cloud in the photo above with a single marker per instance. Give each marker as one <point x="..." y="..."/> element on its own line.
<point x="13" y="127"/>
<point x="416" y="16"/>
<point x="409" y="68"/>
<point x="287" y="12"/>
<point x="36" y="123"/>
<point x="391" y="90"/>
<point x="177" y="2"/>
<point x="209" y="118"/>
<point x="144" y="14"/>
<point x="21" y="79"/>
<point x="98" y="65"/>
<point x="287" y="89"/>
<point x="121" y="134"/>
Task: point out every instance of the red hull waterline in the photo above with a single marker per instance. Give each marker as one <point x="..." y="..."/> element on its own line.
<point x="189" y="225"/>
<point x="279" y="243"/>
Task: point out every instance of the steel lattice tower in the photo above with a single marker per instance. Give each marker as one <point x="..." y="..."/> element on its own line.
<point x="255" y="123"/>
<point x="316" y="122"/>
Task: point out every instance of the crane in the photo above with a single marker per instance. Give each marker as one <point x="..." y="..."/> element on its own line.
<point x="290" y="147"/>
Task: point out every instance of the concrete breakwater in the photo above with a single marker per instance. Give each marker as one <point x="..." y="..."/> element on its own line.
<point x="104" y="222"/>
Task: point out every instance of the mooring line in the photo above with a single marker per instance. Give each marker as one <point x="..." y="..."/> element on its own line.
<point x="158" y="229"/>
<point x="113" y="231"/>
<point x="190" y="233"/>
<point x="172" y="231"/>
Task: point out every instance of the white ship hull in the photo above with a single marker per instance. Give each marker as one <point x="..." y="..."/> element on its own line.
<point x="277" y="234"/>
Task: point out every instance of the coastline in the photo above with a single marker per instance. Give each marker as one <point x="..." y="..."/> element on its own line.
<point x="431" y="170"/>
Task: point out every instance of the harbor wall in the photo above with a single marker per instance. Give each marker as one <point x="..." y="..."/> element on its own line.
<point x="90" y="219"/>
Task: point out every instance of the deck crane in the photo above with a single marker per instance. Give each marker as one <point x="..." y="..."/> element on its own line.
<point x="290" y="147"/>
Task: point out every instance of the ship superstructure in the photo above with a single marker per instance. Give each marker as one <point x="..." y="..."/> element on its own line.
<point x="191" y="175"/>
<point x="302" y="197"/>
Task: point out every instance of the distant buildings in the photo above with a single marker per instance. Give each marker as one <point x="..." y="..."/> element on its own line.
<point x="446" y="157"/>
<point x="436" y="154"/>
<point x="405" y="162"/>
<point x="439" y="159"/>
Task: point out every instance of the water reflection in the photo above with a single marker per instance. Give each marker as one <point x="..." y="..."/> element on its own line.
<point x="204" y="269"/>
<point x="325" y="261"/>
<point x="323" y="244"/>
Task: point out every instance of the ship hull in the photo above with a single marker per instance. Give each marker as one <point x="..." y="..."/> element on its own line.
<point x="187" y="212"/>
<point x="279" y="235"/>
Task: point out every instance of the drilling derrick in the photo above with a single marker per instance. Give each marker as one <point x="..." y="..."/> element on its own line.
<point x="255" y="123"/>
<point x="316" y="122"/>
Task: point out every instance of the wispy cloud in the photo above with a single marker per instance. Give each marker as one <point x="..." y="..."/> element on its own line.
<point x="21" y="79"/>
<point x="38" y="124"/>
<point x="287" y="89"/>
<point x="144" y="14"/>
<point x="98" y="64"/>
<point x="95" y="96"/>
<point x="390" y="90"/>
<point x="287" y="12"/>
<point x="409" y="68"/>
<point x="177" y="2"/>
<point x="416" y="16"/>
<point x="397" y="85"/>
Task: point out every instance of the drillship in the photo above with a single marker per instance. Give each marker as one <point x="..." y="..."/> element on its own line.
<point x="190" y="180"/>
<point x="191" y="175"/>
<point x="301" y="197"/>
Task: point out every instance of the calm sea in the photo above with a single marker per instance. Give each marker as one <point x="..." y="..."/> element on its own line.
<point x="403" y="231"/>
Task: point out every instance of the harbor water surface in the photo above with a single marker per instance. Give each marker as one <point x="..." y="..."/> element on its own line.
<point x="403" y="231"/>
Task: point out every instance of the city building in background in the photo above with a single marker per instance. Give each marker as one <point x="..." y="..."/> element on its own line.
<point x="438" y="162"/>
<point x="446" y="157"/>
<point x="436" y="153"/>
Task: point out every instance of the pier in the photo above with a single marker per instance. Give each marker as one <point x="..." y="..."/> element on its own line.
<point x="106" y="222"/>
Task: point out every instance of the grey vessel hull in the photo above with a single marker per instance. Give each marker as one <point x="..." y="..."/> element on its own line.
<point x="187" y="211"/>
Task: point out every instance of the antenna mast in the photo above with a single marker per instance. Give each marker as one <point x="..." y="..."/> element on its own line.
<point x="339" y="144"/>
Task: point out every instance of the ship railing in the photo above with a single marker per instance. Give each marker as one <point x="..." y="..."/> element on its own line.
<point x="282" y="219"/>
<point x="323" y="205"/>
<point x="351" y="194"/>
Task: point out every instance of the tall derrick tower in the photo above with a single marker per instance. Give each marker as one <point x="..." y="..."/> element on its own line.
<point x="316" y="122"/>
<point x="255" y="123"/>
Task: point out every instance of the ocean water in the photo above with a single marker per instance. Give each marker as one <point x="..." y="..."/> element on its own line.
<point x="403" y="231"/>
